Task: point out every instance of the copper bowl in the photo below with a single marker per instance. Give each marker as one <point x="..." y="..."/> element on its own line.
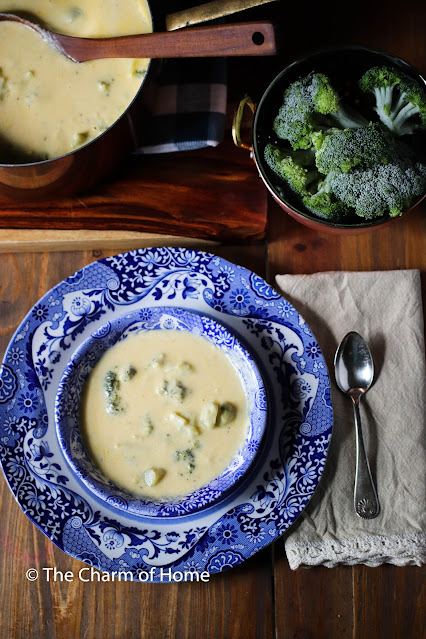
<point x="344" y="65"/>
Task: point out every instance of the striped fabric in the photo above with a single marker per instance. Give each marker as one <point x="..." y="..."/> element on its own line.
<point x="185" y="104"/>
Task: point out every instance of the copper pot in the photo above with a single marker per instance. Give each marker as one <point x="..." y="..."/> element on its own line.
<point x="76" y="171"/>
<point x="338" y="62"/>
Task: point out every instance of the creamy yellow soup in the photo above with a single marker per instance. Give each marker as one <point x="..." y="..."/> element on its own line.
<point x="49" y="105"/>
<point x="163" y="413"/>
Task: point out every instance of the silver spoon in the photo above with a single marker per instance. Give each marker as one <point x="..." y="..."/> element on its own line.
<point x="354" y="370"/>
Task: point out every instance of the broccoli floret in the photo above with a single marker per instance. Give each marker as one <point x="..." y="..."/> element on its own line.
<point x="326" y="205"/>
<point x="324" y="97"/>
<point x="294" y="121"/>
<point x="321" y="201"/>
<point x="311" y="105"/>
<point x="297" y="168"/>
<point x="400" y="102"/>
<point x="381" y="189"/>
<point x="342" y="151"/>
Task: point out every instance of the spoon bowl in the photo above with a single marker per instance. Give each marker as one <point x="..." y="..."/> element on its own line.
<point x="354" y="368"/>
<point x="354" y="372"/>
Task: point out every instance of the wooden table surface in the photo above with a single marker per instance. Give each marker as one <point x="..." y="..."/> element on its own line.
<point x="262" y="597"/>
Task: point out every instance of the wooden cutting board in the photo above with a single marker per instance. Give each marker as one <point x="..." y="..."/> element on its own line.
<point x="212" y="194"/>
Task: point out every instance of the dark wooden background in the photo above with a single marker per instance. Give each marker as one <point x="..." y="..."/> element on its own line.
<point x="262" y="598"/>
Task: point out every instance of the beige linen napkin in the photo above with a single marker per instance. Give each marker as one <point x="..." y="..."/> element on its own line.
<point x="386" y="309"/>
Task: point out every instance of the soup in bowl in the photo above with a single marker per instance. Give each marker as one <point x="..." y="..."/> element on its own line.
<point x="161" y="412"/>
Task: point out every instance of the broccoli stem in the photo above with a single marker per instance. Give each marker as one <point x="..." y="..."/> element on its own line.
<point x="406" y="112"/>
<point x="325" y="184"/>
<point x="347" y="120"/>
<point x="394" y="117"/>
<point x="383" y="97"/>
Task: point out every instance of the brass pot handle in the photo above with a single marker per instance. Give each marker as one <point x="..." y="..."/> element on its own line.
<point x="236" y="122"/>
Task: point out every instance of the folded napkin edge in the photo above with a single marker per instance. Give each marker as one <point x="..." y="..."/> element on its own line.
<point x="399" y="550"/>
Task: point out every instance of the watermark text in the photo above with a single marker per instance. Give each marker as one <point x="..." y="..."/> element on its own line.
<point x="91" y="574"/>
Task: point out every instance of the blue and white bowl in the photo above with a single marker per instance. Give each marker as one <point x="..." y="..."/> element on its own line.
<point x="85" y="358"/>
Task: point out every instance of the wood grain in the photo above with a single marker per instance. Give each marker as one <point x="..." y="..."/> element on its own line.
<point x="315" y="602"/>
<point x="39" y="240"/>
<point x="380" y="610"/>
<point x="215" y="195"/>
<point x="293" y="248"/>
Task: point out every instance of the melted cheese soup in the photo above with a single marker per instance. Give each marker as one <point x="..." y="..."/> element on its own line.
<point x="163" y="413"/>
<point x="49" y="105"/>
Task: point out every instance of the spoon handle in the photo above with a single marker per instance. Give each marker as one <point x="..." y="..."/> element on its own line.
<point x="241" y="39"/>
<point x="365" y="497"/>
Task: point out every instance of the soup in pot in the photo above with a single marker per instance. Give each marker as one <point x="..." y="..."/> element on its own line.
<point x="49" y="105"/>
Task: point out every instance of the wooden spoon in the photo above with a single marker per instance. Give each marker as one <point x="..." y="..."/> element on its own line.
<point x="246" y="38"/>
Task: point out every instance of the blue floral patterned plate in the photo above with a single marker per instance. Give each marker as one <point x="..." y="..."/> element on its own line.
<point x="260" y="508"/>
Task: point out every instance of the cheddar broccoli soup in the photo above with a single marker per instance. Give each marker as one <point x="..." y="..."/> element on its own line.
<point x="163" y="413"/>
<point x="49" y="105"/>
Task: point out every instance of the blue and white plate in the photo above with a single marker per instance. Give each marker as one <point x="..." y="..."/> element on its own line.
<point x="278" y="485"/>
